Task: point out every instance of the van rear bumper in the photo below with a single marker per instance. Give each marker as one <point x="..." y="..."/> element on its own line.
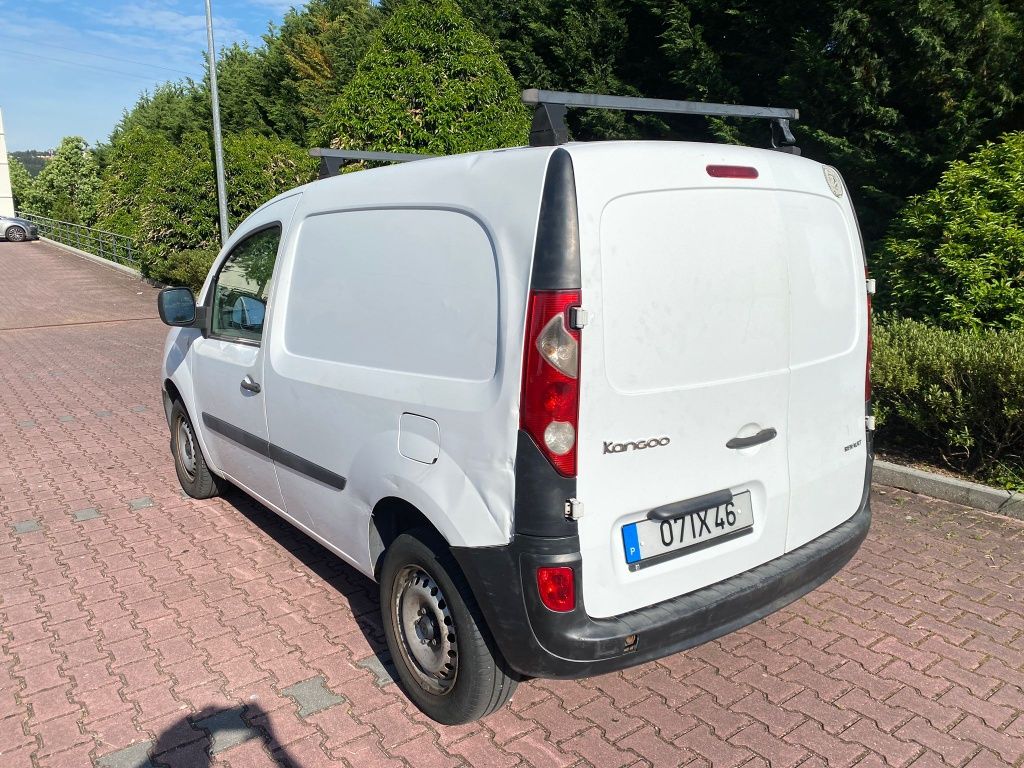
<point x="538" y="642"/>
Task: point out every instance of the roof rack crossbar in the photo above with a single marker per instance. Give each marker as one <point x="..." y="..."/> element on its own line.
<point x="333" y="160"/>
<point x="549" y="127"/>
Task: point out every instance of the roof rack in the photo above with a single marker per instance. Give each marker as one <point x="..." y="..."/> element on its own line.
<point x="333" y="160"/>
<point x="549" y="128"/>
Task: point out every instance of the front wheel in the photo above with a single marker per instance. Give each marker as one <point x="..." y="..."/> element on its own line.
<point x="444" y="654"/>
<point x="15" y="234"/>
<point x="193" y="473"/>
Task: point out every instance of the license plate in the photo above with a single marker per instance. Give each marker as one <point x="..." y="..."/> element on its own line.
<point x="653" y="539"/>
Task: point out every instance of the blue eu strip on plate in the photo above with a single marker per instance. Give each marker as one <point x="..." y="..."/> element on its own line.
<point x="631" y="543"/>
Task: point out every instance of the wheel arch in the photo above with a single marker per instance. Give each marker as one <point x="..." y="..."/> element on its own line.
<point x="391" y="517"/>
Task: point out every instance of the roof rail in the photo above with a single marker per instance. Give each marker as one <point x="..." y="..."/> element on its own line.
<point x="333" y="160"/>
<point x="549" y="128"/>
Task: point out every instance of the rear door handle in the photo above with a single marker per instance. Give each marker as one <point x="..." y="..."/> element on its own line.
<point x="769" y="433"/>
<point x="698" y="504"/>
<point x="249" y="384"/>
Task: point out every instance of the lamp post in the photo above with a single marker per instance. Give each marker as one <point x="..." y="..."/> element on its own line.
<point x="218" y="149"/>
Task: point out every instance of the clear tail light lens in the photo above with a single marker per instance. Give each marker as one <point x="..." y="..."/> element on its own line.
<point x="549" y="409"/>
<point x="557" y="587"/>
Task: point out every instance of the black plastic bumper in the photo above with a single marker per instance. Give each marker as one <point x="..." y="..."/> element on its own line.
<point x="538" y="642"/>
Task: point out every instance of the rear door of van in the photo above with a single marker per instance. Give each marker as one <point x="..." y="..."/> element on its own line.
<point x="686" y="426"/>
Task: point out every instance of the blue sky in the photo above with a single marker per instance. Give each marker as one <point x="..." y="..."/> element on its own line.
<point x="71" y="67"/>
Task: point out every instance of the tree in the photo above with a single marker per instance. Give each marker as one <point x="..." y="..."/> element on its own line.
<point x="130" y="169"/>
<point x="178" y="216"/>
<point x="955" y="255"/>
<point x="430" y="83"/>
<point x="310" y="58"/>
<point x="173" y="109"/>
<point x="21" y="181"/>
<point x="67" y="186"/>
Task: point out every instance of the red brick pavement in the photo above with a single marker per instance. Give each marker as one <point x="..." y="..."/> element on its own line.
<point x="133" y="614"/>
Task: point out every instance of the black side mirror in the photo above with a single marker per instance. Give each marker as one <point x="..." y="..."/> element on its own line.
<point x="177" y="306"/>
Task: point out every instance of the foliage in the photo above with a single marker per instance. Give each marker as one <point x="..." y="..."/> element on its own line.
<point x="32" y="159"/>
<point x="172" y="110"/>
<point x="129" y="169"/>
<point x="179" y="226"/>
<point x="955" y="255"/>
<point x="21" y="181"/>
<point x="310" y="58"/>
<point x="67" y="186"/>
<point x="954" y="395"/>
<point x="428" y="83"/>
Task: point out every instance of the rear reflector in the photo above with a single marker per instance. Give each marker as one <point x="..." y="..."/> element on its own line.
<point x="732" y="171"/>
<point x="557" y="588"/>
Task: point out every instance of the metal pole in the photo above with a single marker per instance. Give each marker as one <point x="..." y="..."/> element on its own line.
<point x="218" y="150"/>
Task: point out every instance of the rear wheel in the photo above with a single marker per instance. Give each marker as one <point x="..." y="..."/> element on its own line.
<point x="444" y="654"/>
<point x="15" y="233"/>
<point x="194" y="475"/>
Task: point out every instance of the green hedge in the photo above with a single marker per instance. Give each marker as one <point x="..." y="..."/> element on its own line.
<point x="954" y="397"/>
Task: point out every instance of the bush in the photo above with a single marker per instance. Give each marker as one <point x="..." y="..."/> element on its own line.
<point x="67" y="186"/>
<point x="955" y="256"/>
<point x="429" y="83"/>
<point x="955" y="396"/>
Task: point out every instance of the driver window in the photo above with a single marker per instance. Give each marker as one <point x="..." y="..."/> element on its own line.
<point x="243" y="285"/>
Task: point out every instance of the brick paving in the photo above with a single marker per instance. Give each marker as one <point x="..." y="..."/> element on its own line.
<point x="140" y="628"/>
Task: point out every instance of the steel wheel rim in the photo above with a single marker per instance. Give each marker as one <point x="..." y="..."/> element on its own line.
<point x="186" y="448"/>
<point x="425" y="629"/>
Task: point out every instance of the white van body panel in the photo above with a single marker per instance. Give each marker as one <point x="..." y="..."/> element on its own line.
<point x="340" y="402"/>
<point x="712" y="316"/>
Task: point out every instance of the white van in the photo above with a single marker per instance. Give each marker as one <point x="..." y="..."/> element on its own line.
<point x="573" y="407"/>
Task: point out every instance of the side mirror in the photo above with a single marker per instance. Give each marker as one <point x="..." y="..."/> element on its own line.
<point x="177" y="306"/>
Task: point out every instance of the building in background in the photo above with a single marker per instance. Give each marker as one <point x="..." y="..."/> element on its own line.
<point x="6" y="196"/>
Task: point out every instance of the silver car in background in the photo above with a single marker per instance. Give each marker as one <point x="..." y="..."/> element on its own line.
<point x="16" y="229"/>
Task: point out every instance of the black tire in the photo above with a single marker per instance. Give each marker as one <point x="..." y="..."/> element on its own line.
<point x="15" y="234"/>
<point x="194" y="475"/>
<point x="481" y="682"/>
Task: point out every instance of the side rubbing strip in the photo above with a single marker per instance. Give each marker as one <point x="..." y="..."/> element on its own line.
<point x="274" y="452"/>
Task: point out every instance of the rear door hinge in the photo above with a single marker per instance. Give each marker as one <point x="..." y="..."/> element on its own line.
<point x="869" y="423"/>
<point x="871" y="285"/>
<point x="577" y="318"/>
<point x="573" y="509"/>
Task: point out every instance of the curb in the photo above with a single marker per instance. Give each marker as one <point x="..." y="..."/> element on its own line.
<point x="969" y="494"/>
<point x="99" y="260"/>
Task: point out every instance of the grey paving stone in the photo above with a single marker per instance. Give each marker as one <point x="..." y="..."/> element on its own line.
<point x="27" y="424"/>
<point x="384" y="670"/>
<point x="27" y="526"/>
<point x="135" y="756"/>
<point x="138" y="408"/>
<point x="312" y="695"/>
<point x="142" y="503"/>
<point x="227" y="729"/>
<point x="86" y="514"/>
<point x="66" y="418"/>
<point x="104" y="414"/>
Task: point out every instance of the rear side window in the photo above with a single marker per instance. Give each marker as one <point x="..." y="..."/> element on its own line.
<point x="407" y="290"/>
<point x="243" y="286"/>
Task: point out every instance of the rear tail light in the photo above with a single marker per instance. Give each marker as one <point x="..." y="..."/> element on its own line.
<point x="557" y="587"/>
<point x="732" y="171"/>
<point x="549" y="410"/>
<point x="867" y="364"/>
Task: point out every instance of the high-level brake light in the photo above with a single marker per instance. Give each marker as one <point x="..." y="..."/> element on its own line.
<point x="732" y="171"/>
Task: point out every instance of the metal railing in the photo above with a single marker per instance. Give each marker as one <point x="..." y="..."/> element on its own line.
<point x="99" y="242"/>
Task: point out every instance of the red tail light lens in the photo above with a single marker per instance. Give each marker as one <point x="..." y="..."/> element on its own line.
<point x="557" y="588"/>
<point x="732" y="171"/>
<point x="549" y="409"/>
